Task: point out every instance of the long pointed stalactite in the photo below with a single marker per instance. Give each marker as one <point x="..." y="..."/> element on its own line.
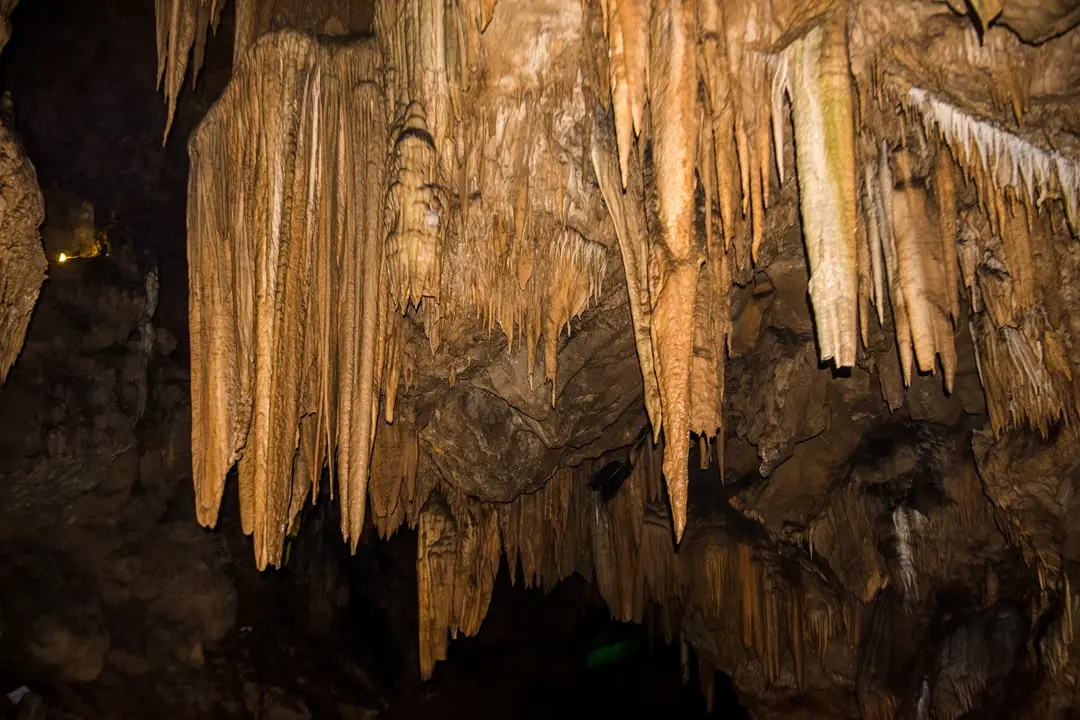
<point x="674" y="262"/>
<point x="626" y="24"/>
<point x="628" y="216"/>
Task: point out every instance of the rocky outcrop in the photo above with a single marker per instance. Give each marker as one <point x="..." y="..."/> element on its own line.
<point x="22" y="263"/>
<point x="89" y="467"/>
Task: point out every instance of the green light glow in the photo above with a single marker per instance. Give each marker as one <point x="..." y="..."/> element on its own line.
<point x="608" y="654"/>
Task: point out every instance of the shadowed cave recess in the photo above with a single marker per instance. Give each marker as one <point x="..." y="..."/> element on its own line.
<point x="503" y="358"/>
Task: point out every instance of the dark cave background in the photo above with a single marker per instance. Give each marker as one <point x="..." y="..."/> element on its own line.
<point x="327" y="636"/>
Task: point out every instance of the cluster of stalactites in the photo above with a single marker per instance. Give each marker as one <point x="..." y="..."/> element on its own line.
<point x="479" y="197"/>
<point x="1026" y="371"/>
<point x="1004" y="248"/>
<point x="432" y="56"/>
<point x="908" y="257"/>
<point x="291" y="334"/>
<point x="726" y="138"/>
<point x="999" y="162"/>
<point x="183" y="27"/>
<point x="652" y="58"/>
<point x="876" y="236"/>
<point x="523" y="267"/>
<point x="563" y="528"/>
<point x="624" y="545"/>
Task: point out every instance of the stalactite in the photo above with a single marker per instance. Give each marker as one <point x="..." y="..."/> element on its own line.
<point x="879" y="183"/>
<point x="394" y="464"/>
<point x="945" y="197"/>
<point x="921" y="279"/>
<point x="673" y="96"/>
<point x="878" y="231"/>
<point x="628" y="216"/>
<point x="1027" y="376"/>
<point x="416" y="210"/>
<point x="285" y="251"/>
<point x="626" y="24"/>
<point x="816" y="73"/>
<point x="435" y="567"/>
<point x="721" y="109"/>
<point x="1005" y="159"/>
<point x="712" y="326"/>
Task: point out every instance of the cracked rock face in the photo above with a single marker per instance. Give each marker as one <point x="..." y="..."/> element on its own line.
<point x="804" y="268"/>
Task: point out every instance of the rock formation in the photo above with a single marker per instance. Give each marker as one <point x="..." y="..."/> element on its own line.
<point x="22" y="263"/>
<point x="808" y="267"/>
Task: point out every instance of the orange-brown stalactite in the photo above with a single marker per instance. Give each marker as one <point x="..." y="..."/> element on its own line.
<point x="627" y="24"/>
<point x="721" y="110"/>
<point x="673" y="97"/>
<point x="628" y="216"/>
<point x="922" y="280"/>
<point x="417" y="211"/>
<point x="945" y="196"/>
<point x="712" y="326"/>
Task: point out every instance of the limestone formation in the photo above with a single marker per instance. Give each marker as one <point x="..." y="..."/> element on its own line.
<point x="425" y="259"/>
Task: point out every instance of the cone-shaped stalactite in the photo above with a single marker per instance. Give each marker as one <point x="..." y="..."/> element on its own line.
<point x="673" y="282"/>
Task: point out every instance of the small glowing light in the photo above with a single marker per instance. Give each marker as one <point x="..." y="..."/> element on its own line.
<point x="62" y="258"/>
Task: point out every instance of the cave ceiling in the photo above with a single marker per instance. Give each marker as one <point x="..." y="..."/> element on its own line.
<point x="803" y="272"/>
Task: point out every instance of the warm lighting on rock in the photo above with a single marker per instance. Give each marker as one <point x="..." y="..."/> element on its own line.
<point x="62" y="258"/>
<point x="364" y="214"/>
